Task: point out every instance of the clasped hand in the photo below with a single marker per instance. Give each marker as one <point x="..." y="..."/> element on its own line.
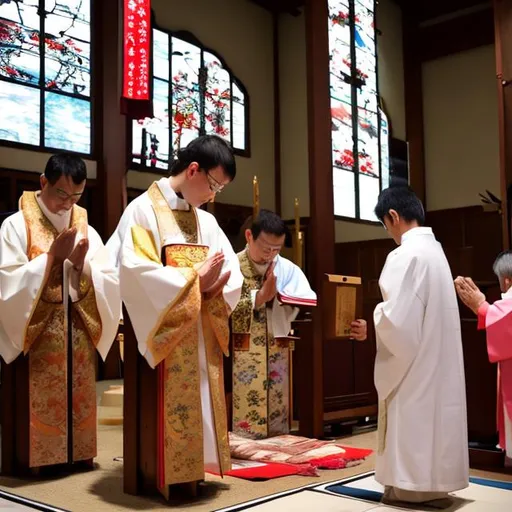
<point x="211" y="283"/>
<point x="63" y="248"/>
<point x="269" y="288"/>
<point x="469" y="293"/>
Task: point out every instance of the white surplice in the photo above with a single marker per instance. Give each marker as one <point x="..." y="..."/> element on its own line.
<point x="147" y="288"/>
<point x="21" y="280"/>
<point x="290" y="281"/>
<point x="419" y="371"/>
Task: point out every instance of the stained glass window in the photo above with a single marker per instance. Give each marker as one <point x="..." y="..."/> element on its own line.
<point x="194" y="93"/>
<point x="45" y="74"/>
<point x="360" y="130"/>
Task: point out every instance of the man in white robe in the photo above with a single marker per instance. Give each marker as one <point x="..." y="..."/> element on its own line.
<point x="54" y="271"/>
<point x="180" y="279"/>
<point x="419" y="369"/>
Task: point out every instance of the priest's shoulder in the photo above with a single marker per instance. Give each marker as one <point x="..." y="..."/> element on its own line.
<point x="287" y="265"/>
<point x="206" y="217"/>
<point x="11" y="220"/>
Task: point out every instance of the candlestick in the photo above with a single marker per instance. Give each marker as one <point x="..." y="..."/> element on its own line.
<point x="255" y="197"/>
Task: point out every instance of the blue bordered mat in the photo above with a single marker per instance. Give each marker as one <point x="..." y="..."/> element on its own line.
<point x="26" y="504"/>
<point x="363" y="493"/>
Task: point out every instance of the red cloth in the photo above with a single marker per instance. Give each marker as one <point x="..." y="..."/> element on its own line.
<point x="136" y="99"/>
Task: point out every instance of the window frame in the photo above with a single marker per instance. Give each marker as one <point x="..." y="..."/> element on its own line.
<point x="190" y="38"/>
<point x="42" y="88"/>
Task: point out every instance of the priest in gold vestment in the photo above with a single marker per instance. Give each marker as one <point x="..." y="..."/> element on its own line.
<point x="260" y="325"/>
<point x="60" y="303"/>
<point x="180" y="280"/>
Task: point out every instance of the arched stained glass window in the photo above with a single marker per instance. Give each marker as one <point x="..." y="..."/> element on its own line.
<point x="45" y="74"/>
<point x="202" y="96"/>
<point x="360" y="131"/>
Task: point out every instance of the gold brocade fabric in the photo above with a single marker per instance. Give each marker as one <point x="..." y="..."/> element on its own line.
<point x="174" y="343"/>
<point x="46" y="343"/>
<point x="260" y="366"/>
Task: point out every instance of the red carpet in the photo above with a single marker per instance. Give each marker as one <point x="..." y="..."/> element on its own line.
<point x="289" y="455"/>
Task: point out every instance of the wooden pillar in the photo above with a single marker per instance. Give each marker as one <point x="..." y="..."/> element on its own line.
<point x="503" y="44"/>
<point x="414" y="102"/>
<point x="321" y="228"/>
<point x="110" y="134"/>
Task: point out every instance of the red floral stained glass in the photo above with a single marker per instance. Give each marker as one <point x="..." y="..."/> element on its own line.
<point x="205" y="98"/>
<point x="218" y="98"/>
<point x="359" y="130"/>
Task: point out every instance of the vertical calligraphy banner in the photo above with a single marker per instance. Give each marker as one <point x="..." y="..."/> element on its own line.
<point x="136" y="98"/>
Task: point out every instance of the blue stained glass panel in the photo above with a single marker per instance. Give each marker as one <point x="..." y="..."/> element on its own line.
<point x="67" y="123"/>
<point x="19" y="121"/>
<point x="160" y="54"/>
<point x="67" y="66"/>
<point x="186" y="118"/>
<point x="19" y="42"/>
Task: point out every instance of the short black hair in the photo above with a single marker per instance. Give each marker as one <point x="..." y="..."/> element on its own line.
<point x="65" y="164"/>
<point x="209" y="151"/>
<point x="404" y="201"/>
<point x="268" y="222"/>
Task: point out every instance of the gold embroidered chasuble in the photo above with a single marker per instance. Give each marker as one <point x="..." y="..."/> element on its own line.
<point x="61" y="353"/>
<point x="174" y="346"/>
<point x="260" y="365"/>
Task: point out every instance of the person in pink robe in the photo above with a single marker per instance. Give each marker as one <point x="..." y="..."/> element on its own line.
<point x="496" y="319"/>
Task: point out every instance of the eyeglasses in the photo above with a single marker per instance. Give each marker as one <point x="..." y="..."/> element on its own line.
<point x="215" y="186"/>
<point x="266" y="247"/>
<point x="64" y="196"/>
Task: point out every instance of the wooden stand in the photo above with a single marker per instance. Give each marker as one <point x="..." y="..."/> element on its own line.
<point x="140" y="418"/>
<point x="15" y="418"/>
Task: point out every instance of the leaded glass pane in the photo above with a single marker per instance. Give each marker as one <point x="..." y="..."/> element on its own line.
<point x="67" y="66"/>
<point x="238" y="117"/>
<point x="368" y="143"/>
<point x="186" y="108"/>
<point x="19" y="41"/>
<point x="344" y="193"/>
<point x="217" y="98"/>
<point x="67" y="123"/>
<point x="339" y="39"/>
<point x="68" y="19"/>
<point x="19" y="120"/>
<point x="384" y="149"/>
<point x="160" y="54"/>
<point x="369" y="190"/>
<point x="150" y="137"/>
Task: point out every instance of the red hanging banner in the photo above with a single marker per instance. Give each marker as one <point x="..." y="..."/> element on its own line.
<point x="137" y="49"/>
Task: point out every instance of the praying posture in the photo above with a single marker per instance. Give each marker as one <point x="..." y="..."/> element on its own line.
<point x="496" y="319"/>
<point x="419" y="371"/>
<point x="60" y="303"/>
<point x="273" y="289"/>
<point x="180" y="280"/>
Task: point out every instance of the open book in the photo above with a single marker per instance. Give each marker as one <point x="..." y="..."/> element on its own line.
<point x="295" y="301"/>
